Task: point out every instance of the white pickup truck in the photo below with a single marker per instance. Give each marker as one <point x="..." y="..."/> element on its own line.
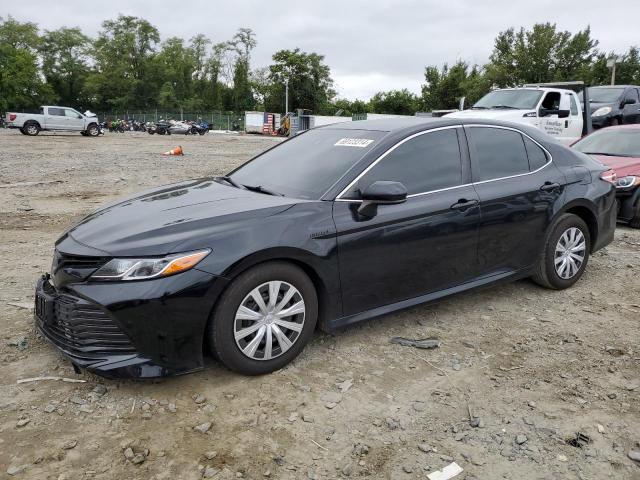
<point x="53" y="118"/>
<point x="555" y="111"/>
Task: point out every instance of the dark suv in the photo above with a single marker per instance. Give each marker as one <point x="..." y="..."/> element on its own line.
<point x="614" y="105"/>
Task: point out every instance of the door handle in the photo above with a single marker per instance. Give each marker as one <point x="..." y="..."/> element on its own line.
<point x="549" y="186"/>
<point x="463" y="204"/>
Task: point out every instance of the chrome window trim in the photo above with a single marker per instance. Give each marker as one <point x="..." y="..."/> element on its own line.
<point x="474" y="125"/>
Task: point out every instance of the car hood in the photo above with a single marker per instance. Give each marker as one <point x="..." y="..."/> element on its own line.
<point x="623" y="166"/>
<point x="158" y="221"/>
<point x="497" y="114"/>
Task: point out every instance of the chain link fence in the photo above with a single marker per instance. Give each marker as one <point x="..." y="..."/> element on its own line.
<point x="216" y="120"/>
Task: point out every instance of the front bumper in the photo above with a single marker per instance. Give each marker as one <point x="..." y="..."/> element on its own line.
<point x="140" y="329"/>
<point x="628" y="202"/>
<point x="601" y="121"/>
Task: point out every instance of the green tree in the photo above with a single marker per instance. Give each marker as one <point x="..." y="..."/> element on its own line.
<point x="65" y="64"/>
<point x="125" y="76"/>
<point x="310" y="82"/>
<point x="21" y="82"/>
<point x="542" y="54"/>
<point x="398" y="102"/>
<point x="443" y="88"/>
<point x="242" y="44"/>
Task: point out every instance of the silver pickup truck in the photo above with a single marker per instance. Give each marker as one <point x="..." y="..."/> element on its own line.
<point x="54" y="118"/>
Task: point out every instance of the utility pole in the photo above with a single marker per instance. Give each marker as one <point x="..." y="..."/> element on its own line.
<point x="286" y="96"/>
<point x="611" y="63"/>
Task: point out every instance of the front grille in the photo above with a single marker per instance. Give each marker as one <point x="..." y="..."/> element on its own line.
<point x="71" y="268"/>
<point x="83" y="328"/>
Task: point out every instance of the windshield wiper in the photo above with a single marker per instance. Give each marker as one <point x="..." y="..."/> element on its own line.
<point x="228" y="179"/>
<point x="479" y="108"/>
<point x="261" y="189"/>
<point x="505" y="106"/>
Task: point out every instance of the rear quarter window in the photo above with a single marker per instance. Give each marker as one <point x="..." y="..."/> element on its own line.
<point x="537" y="157"/>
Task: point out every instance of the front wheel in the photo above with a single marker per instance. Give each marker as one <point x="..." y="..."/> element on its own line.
<point x="264" y="319"/>
<point x="565" y="254"/>
<point x="93" y="130"/>
<point x="635" y="220"/>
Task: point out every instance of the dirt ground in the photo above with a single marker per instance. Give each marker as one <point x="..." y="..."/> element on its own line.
<point x="534" y="366"/>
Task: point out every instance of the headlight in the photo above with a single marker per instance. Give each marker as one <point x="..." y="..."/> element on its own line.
<point x="601" y="112"/>
<point x="145" y="268"/>
<point x="627" y="182"/>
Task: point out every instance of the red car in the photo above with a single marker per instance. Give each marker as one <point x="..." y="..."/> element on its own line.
<point x="619" y="148"/>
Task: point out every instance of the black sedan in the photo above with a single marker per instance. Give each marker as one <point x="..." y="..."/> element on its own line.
<point x="337" y="225"/>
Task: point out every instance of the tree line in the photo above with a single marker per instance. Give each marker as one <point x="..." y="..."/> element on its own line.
<point x="128" y="67"/>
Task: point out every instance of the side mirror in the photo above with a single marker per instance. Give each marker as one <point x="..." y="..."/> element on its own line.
<point x="79" y="116"/>
<point x="563" y="113"/>
<point x="381" y="193"/>
<point x="627" y="101"/>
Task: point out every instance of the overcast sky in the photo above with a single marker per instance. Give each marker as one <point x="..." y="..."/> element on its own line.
<point x="369" y="45"/>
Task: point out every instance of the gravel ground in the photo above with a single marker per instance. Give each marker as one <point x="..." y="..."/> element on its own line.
<point x="531" y="367"/>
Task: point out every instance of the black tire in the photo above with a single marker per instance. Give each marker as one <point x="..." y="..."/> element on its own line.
<point x="545" y="273"/>
<point x="635" y="220"/>
<point x="221" y="337"/>
<point x="614" y="121"/>
<point x="202" y="132"/>
<point x="23" y="132"/>
<point x="31" y="128"/>
<point x="93" y="130"/>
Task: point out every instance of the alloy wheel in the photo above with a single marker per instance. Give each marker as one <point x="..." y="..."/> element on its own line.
<point x="570" y="253"/>
<point x="269" y="320"/>
<point x="32" y="129"/>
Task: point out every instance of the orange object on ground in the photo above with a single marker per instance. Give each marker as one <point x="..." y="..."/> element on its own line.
<point x="174" y="151"/>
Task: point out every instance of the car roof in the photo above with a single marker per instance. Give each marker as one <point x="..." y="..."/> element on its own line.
<point x="628" y="126"/>
<point x="616" y="86"/>
<point x="407" y="125"/>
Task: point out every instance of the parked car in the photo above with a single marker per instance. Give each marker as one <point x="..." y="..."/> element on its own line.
<point x="337" y="225"/>
<point x="555" y="111"/>
<point x="54" y="118"/>
<point x="614" y="105"/>
<point x="619" y="149"/>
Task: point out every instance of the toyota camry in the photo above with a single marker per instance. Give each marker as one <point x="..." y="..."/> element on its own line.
<point x="334" y="226"/>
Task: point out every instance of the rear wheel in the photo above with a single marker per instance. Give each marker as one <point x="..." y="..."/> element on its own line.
<point x="32" y="128"/>
<point x="565" y="254"/>
<point x="264" y="319"/>
<point x="22" y="131"/>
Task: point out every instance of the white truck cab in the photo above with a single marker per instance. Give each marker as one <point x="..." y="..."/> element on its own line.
<point x="556" y="111"/>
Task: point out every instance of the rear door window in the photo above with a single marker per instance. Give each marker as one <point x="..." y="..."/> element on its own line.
<point x="425" y="163"/>
<point x="58" y="112"/>
<point x="498" y="153"/>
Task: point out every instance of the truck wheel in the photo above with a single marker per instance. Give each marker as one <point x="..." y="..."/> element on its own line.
<point x="23" y="132"/>
<point x="32" y="128"/>
<point x="93" y="130"/>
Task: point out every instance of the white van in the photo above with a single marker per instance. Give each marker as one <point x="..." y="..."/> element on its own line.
<point x="555" y="111"/>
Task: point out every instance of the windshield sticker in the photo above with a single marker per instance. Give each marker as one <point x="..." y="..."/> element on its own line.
<point x="353" y="142"/>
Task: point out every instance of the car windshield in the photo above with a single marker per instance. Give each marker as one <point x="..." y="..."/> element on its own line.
<point x="307" y="165"/>
<point x="621" y="142"/>
<point x="520" y="99"/>
<point x="603" y="95"/>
